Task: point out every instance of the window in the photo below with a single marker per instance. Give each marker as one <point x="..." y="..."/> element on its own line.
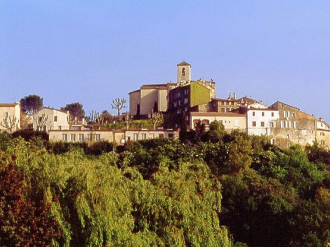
<point x="185" y="100"/>
<point x="64" y="137"/>
<point x="272" y="114"/>
<point x="73" y="137"/>
<point x="144" y="136"/>
<point x="288" y="136"/>
<point x="97" y="137"/>
<point x="81" y="137"/>
<point x="135" y="136"/>
<point x="272" y="141"/>
<point x="151" y="136"/>
<point x="272" y="124"/>
<point x="236" y="123"/>
<point x="253" y="113"/>
<point x="89" y="137"/>
<point x="263" y="114"/>
<point x="183" y="71"/>
<point x="254" y="123"/>
<point x="55" y="118"/>
<point x="5" y="115"/>
<point x="161" y="135"/>
<point x="262" y="124"/>
<point x="304" y="132"/>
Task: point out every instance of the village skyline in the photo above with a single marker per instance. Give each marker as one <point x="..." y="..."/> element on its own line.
<point x="94" y="52"/>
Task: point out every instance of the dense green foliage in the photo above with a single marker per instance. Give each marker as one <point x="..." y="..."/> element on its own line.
<point x="167" y="192"/>
<point x="31" y="103"/>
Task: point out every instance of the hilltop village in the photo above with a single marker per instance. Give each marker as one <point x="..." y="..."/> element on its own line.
<point x="181" y="106"/>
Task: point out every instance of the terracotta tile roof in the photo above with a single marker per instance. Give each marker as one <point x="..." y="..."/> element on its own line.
<point x="261" y="109"/>
<point x="304" y="115"/>
<point x="219" y="114"/>
<point x="154" y="86"/>
<point x="279" y="102"/>
<point x="134" y="91"/>
<point x="218" y="99"/>
<point x="50" y="108"/>
<point x="8" y="104"/>
<point x="183" y="63"/>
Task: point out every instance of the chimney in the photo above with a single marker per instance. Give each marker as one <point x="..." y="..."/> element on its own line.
<point x="234" y="95"/>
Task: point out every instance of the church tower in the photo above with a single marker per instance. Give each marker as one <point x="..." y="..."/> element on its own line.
<point x="184" y="72"/>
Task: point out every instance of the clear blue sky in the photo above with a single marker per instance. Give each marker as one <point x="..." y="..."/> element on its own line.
<point x="94" y="51"/>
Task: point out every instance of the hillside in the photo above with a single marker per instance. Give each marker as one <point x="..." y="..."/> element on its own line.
<point x="213" y="189"/>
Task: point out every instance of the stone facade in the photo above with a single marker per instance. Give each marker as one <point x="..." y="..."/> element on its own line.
<point x="142" y="101"/>
<point x="186" y="99"/>
<point x="183" y="72"/>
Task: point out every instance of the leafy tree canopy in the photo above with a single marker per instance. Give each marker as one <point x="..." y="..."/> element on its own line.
<point x="76" y="110"/>
<point x="31" y="103"/>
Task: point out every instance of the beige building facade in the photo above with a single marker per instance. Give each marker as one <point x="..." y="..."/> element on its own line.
<point x="10" y="117"/>
<point x="114" y="136"/>
<point x="231" y="121"/>
<point x="48" y="119"/>
<point x="144" y="100"/>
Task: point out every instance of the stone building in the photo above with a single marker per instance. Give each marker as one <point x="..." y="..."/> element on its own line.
<point x="322" y="133"/>
<point x="148" y="98"/>
<point x="157" y="96"/>
<point x="185" y="99"/>
<point x="297" y="127"/>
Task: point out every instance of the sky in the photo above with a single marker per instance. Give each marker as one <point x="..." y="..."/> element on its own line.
<point x="94" y="51"/>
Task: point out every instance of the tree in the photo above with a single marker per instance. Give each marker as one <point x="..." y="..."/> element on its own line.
<point x="155" y="109"/>
<point x="216" y="131"/>
<point x="10" y="124"/>
<point x="93" y="117"/>
<point x="76" y="110"/>
<point x="155" y="118"/>
<point x="31" y="103"/>
<point x="40" y="122"/>
<point x="106" y="117"/>
<point x="24" y="222"/>
<point x="118" y="104"/>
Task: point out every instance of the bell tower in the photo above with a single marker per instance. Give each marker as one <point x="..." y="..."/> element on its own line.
<point x="183" y="72"/>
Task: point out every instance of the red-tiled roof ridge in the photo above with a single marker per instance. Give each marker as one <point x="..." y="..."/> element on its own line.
<point x="183" y="63"/>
